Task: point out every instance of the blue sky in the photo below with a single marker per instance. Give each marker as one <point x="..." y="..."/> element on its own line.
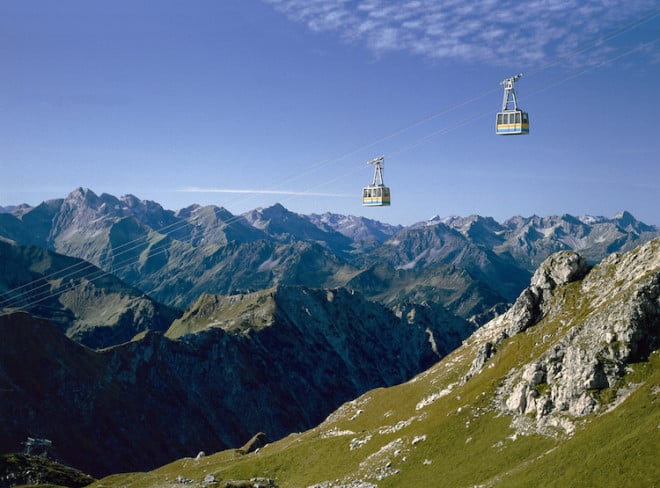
<point x="245" y="103"/>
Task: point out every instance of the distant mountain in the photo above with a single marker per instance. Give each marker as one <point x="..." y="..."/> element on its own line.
<point x="87" y="304"/>
<point x="277" y="361"/>
<point x="440" y="283"/>
<point x="420" y="247"/>
<point x="30" y="225"/>
<point x="530" y="240"/>
<point x="215" y="225"/>
<point x="561" y="390"/>
<point x="285" y="226"/>
<point x="482" y="231"/>
<point x="355" y="228"/>
<point x="471" y="265"/>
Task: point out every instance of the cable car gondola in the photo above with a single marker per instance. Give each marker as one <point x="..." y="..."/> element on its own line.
<point x="511" y="121"/>
<point x="376" y="194"/>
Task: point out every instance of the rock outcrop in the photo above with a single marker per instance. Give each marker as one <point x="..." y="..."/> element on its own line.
<point x="258" y="441"/>
<point x="598" y="321"/>
<point x="25" y="469"/>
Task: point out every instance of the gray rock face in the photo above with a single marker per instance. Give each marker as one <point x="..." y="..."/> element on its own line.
<point x="611" y="319"/>
<point x="559" y="269"/>
<point x="485" y="352"/>
<point x="257" y="442"/>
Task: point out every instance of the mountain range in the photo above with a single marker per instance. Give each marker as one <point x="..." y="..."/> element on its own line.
<point x="467" y="265"/>
<point x="125" y="324"/>
<point x="561" y="390"/>
<point x="88" y="304"/>
<point x="276" y="360"/>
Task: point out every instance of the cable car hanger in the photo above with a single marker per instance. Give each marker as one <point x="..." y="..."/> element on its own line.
<point x="376" y="194"/>
<point x="511" y="121"/>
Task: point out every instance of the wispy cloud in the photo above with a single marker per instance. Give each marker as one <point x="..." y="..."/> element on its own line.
<point x="477" y="30"/>
<point x="260" y="192"/>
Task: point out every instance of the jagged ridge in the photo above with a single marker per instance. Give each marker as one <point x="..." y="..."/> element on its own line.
<point x="177" y="256"/>
<point x="211" y="385"/>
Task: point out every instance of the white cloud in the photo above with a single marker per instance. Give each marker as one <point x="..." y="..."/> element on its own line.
<point x="259" y="192"/>
<point x="476" y="30"/>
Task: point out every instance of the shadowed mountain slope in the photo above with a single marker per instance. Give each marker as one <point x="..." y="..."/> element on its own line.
<point x="561" y="390"/>
<point x="276" y="361"/>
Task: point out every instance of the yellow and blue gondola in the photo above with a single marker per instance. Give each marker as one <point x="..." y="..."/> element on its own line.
<point x="376" y="194"/>
<point x="511" y="120"/>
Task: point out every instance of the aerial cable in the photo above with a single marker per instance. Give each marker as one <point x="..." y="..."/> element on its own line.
<point x="181" y="224"/>
<point x="600" y="64"/>
<point x="73" y="271"/>
<point x="546" y="87"/>
<point x="78" y="267"/>
<point x="165" y="231"/>
<point x="434" y="115"/>
<point x="380" y="140"/>
<point x="470" y="119"/>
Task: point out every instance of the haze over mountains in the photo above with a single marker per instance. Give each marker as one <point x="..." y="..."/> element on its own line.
<point x="162" y="330"/>
<point x="174" y="257"/>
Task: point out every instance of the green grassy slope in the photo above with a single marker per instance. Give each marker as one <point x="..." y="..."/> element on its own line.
<point x="439" y="430"/>
<point x="457" y="440"/>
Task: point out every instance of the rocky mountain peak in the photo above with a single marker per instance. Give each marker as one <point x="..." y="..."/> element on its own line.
<point x="130" y="200"/>
<point x="82" y="194"/>
<point x="355" y="228"/>
<point x="82" y="206"/>
<point x="628" y="223"/>
<point x="593" y="323"/>
<point x="286" y="226"/>
<point x="559" y="269"/>
<point x="261" y="217"/>
<point x="187" y="212"/>
<point x="625" y="217"/>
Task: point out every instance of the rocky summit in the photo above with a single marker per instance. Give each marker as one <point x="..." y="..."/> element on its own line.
<point x="560" y="390"/>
